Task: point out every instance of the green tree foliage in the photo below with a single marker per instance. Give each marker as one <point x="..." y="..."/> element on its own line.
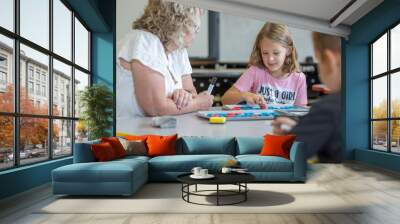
<point x="97" y="103"/>
<point x="380" y="127"/>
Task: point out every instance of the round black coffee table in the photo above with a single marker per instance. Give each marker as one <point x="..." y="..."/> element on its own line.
<point x="238" y="179"/>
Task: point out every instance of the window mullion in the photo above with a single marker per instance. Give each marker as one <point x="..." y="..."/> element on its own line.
<point x="389" y="106"/>
<point x="16" y="83"/>
<point x="73" y="82"/>
<point x="50" y="81"/>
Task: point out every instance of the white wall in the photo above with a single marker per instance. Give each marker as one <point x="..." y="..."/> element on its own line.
<point x="127" y="12"/>
<point x="241" y="33"/>
<point x="237" y="34"/>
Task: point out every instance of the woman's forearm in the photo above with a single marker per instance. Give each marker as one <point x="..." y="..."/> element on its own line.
<point x="168" y="107"/>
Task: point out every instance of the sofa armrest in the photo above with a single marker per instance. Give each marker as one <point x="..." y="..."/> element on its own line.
<point x="83" y="152"/>
<point x="298" y="157"/>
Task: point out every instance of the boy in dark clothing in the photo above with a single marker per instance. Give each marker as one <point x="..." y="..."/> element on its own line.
<point x="320" y="128"/>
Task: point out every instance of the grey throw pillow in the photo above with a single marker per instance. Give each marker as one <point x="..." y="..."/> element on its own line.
<point x="137" y="148"/>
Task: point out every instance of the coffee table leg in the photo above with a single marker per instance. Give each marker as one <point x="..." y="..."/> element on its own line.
<point x="245" y="191"/>
<point x="196" y="188"/>
<point x="217" y="194"/>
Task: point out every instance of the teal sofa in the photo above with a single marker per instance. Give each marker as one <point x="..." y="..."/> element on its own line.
<point x="125" y="176"/>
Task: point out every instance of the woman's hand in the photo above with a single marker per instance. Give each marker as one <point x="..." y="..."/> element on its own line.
<point x="283" y="125"/>
<point x="181" y="98"/>
<point x="252" y="98"/>
<point x="204" y="100"/>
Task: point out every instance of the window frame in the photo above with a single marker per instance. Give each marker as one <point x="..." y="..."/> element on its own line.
<point x="388" y="74"/>
<point x="16" y="114"/>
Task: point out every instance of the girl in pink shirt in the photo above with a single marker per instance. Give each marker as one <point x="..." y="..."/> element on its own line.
<point x="273" y="76"/>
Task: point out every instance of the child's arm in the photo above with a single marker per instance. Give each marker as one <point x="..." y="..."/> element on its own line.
<point x="241" y="90"/>
<point x="301" y="98"/>
<point x="234" y="96"/>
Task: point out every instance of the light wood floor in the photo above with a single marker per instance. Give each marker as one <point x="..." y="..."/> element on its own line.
<point x="378" y="188"/>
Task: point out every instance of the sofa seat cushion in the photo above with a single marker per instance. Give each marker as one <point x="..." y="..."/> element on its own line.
<point x="133" y="158"/>
<point x="257" y="163"/>
<point x="205" y="145"/>
<point x="185" y="163"/>
<point x="112" y="171"/>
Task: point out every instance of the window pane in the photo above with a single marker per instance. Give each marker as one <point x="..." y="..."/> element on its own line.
<point x="81" y="131"/>
<point x="81" y="81"/>
<point x="35" y="21"/>
<point x="81" y="45"/>
<point x="62" y="29"/>
<point x="62" y="89"/>
<point x="6" y="74"/>
<point x="395" y="95"/>
<point x="7" y="14"/>
<point x="379" y="97"/>
<point x="33" y="139"/>
<point x="395" y="136"/>
<point x="6" y="142"/>
<point x="379" y="135"/>
<point x="34" y="72"/>
<point x="395" y="47"/>
<point x="62" y="137"/>
<point x="379" y="55"/>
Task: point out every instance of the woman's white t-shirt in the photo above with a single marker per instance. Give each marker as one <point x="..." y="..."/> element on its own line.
<point x="148" y="49"/>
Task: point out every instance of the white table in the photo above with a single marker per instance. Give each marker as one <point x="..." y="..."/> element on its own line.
<point x="192" y="125"/>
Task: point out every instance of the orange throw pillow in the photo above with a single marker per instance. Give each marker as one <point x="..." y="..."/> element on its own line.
<point x="103" y="152"/>
<point x="116" y="145"/>
<point x="136" y="137"/>
<point x="277" y="145"/>
<point x="161" y="145"/>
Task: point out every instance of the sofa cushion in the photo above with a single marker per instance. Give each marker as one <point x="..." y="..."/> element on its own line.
<point x="83" y="152"/>
<point x="116" y="145"/>
<point x="112" y="171"/>
<point x="103" y="152"/>
<point x="249" y="145"/>
<point x="277" y="145"/>
<point x="185" y="163"/>
<point x="134" y="147"/>
<point x="159" y="145"/>
<point x="257" y="163"/>
<point x="195" y="145"/>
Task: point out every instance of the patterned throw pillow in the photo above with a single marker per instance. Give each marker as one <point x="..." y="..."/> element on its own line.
<point x="134" y="147"/>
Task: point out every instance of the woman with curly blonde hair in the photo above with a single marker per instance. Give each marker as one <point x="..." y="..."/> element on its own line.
<point x="153" y="72"/>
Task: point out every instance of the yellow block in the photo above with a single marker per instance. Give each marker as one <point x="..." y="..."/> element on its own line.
<point x="122" y="134"/>
<point x="217" y="120"/>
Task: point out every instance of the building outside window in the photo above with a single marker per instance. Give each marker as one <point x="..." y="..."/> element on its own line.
<point x="30" y="87"/>
<point x="35" y="78"/>
<point x="30" y="72"/>
<point x="385" y="96"/>
<point x="3" y="72"/>
<point x="43" y="90"/>
<point x="3" y="78"/>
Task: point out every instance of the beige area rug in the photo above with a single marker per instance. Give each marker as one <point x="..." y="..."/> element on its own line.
<point x="166" y="198"/>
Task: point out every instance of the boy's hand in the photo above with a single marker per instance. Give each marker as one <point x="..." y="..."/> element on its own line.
<point x="283" y="125"/>
<point x="252" y="98"/>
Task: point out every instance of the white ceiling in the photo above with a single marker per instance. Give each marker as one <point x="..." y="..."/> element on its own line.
<point x="315" y="15"/>
<point x="321" y="9"/>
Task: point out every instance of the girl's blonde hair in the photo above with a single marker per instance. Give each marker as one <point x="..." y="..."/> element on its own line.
<point x="278" y="33"/>
<point x="169" y="21"/>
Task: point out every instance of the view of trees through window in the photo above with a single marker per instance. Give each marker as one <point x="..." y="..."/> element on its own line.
<point x="32" y="130"/>
<point x="385" y="93"/>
